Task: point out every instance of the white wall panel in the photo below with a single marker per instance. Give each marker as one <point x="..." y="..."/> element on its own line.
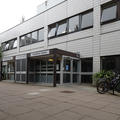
<point x="110" y="43"/>
<point x="83" y="46"/>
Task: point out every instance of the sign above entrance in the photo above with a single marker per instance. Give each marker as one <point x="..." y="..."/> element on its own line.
<point x="21" y="57"/>
<point x="40" y="53"/>
<point x="7" y="58"/>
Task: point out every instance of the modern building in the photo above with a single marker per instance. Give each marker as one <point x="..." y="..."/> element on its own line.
<point x="66" y="42"/>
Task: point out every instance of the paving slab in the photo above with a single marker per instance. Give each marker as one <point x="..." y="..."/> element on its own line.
<point x="31" y="102"/>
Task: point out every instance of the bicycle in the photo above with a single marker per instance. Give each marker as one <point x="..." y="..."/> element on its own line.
<point x="104" y="85"/>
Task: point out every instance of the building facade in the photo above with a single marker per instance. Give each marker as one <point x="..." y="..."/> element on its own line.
<point x="85" y="34"/>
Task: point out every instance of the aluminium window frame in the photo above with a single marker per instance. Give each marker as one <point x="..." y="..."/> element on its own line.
<point x="31" y="37"/>
<point x="67" y="33"/>
<point x="7" y="43"/>
<point x="108" y="5"/>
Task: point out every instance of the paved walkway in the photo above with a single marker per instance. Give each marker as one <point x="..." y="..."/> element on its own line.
<point x="27" y="102"/>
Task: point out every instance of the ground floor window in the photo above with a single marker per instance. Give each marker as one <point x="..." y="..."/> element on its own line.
<point x="86" y="79"/>
<point x="110" y="63"/>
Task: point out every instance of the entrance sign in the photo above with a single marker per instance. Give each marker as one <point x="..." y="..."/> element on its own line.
<point x="21" y="57"/>
<point x="40" y="53"/>
<point x="7" y="59"/>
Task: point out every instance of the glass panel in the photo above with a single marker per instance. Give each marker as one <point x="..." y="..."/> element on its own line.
<point x="62" y="27"/>
<point x="37" y="66"/>
<point x="87" y="20"/>
<point x="35" y="37"/>
<point x="43" y="65"/>
<point x="74" y="24"/>
<point x="15" y="44"/>
<point x="67" y="65"/>
<point x="22" y="41"/>
<point x="7" y="46"/>
<point x="23" y="66"/>
<point x="28" y="39"/>
<point x="41" y="34"/>
<point x="50" y="78"/>
<point x="43" y="78"/>
<point x="50" y="66"/>
<point x="18" y="65"/>
<point x="3" y="46"/>
<point x="75" y="66"/>
<point x="75" y="78"/>
<point x="111" y="63"/>
<point x="109" y="13"/>
<point x="66" y="78"/>
<point x="52" y="31"/>
<point x="18" y="77"/>
<point x="11" y="44"/>
<point x="86" y="78"/>
<point x="87" y="65"/>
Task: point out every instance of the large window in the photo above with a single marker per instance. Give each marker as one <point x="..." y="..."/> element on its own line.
<point x="32" y="37"/>
<point x="62" y="28"/>
<point x="109" y="13"/>
<point x="74" y="24"/>
<point x="9" y="44"/>
<point x="52" y="31"/>
<point x="87" y="20"/>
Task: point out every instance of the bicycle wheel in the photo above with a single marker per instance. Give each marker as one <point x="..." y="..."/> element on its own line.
<point x="117" y="88"/>
<point x="102" y="87"/>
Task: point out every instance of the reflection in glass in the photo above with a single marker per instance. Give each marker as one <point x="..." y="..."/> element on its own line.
<point x="74" y="24"/>
<point x="109" y="13"/>
<point x="15" y="44"/>
<point x="87" y="20"/>
<point x="34" y="37"/>
<point x="52" y="31"/>
<point x="62" y="27"/>
<point x="41" y="34"/>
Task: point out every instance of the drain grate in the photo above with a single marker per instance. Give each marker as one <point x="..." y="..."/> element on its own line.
<point x="67" y="91"/>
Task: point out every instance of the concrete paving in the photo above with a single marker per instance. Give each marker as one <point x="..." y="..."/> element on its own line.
<point x="29" y="102"/>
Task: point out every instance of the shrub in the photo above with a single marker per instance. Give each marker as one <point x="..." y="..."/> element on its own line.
<point x="108" y="75"/>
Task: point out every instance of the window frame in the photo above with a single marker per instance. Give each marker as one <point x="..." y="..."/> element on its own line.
<point x="55" y="24"/>
<point x="78" y="22"/>
<point x="67" y="19"/>
<point x="108" y="5"/>
<point x="86" y="12"/>
<point x="31" y="37"/>
<point x="8" y="42"/>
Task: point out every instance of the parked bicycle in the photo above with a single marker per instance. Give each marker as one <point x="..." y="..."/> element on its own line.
<point x="104" y="85"/>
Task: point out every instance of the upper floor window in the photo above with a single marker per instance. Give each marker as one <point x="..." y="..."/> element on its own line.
<point x="15" y="44"/>
<point x="74" y="24"/>
<point x="62" y="27"/>
<point x="52" y="31"/>
<point x="41" y="35"/>
<point x="9" y="45"/>
<point x="109" y="13"/>
<point x="32" y="37"/>
<point x="87" y="20"/>
<point x="35" y="37"/>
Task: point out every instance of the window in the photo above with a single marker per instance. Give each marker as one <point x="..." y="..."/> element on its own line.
<point x="52" y="31"/>
<point x="7" y="46"/>
<point x="35" y="37"/>
<point x="109" y="13"/>
<point x="62" y="27"/>
<point x="74" y="24"/>
<point x="87" y="65"/>
<point x="15" y="44"/>
<point x="87" y="20"/>
<point x="22" y="41"/>
<point x="11" y="44"/>
<point x="28" y="39"/>
<point x="41" y="34"/>
<point x="3" y="46"/>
